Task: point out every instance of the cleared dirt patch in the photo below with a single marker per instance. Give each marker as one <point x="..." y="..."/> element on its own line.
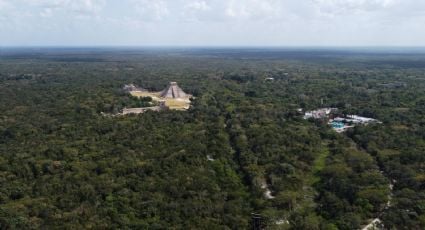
<point x="178" y="104"/>
<point x="171" y="103"/>
<point x="154" y="96"/>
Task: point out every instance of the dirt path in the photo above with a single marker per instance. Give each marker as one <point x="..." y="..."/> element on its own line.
<point x="374" y="224"/>
<point x="377" y="222"/>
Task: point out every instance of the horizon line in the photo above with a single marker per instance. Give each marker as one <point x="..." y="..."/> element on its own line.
<point x="212" y="46"/>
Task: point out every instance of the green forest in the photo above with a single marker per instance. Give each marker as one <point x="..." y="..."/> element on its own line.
<point x="64" y="165"/>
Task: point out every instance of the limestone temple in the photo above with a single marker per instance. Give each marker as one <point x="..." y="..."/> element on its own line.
<point x="173" y="91"/>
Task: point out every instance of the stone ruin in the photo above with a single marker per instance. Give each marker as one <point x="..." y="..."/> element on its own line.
<point x="174" y="91"/>
<point x="132" y="88"/>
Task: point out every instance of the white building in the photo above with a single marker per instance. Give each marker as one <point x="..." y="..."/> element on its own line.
<point x="319" y="113"/>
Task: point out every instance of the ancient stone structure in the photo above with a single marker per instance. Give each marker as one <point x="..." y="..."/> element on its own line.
<point x="173" y="91"/>
<point x="132" y="88"/>
<point x="126" y="111"/>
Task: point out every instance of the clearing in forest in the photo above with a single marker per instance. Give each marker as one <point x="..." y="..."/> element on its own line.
<point x="173" y="96"/>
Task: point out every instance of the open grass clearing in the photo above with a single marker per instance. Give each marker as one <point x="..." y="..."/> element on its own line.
<point x="172" y="103"/>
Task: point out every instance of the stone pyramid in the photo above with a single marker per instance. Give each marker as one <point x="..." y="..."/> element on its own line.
<point x="173" y="91"/>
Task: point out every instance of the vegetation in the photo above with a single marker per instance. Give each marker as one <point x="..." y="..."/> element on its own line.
<point x="64" y="165"/>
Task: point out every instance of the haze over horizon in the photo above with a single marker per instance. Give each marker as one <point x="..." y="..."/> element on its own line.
<point x="212" y="23"/>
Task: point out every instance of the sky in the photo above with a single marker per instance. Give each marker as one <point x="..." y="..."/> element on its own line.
<point x="212" y="23"/>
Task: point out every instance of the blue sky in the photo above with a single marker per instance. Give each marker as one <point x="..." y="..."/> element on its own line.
<point x="212" y="22"/>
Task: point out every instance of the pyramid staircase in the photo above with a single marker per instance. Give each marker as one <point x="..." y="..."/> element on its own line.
<point x="173" y="91"/>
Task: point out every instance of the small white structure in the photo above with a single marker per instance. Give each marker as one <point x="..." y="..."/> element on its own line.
<point x="132" y="88"/>
<point x="126" y="111"/>
<point x="267" y="192"/>
<point x="354" y="119"/>
<point x="319" y="113"/>
<point x="282" y="221"/>
<point x="341" y="124"/>
<point x="362" y="120"/>
<point x="209" y="158"/>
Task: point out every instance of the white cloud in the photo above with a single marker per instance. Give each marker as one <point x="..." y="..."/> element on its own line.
<point x="197" y="6"/>
<point x="352" y="6"/>
<point x="253" y="9"/>
<point x="215" y="22"/>
<point x="3" y="4"/>
<point x="6" y="14"/>
<point x="74" y="7"/>
<point x="155" y="10"/>
<point x="193" y="11"/>
<point x="46" y="13"/>
<point x="86" y="7"/>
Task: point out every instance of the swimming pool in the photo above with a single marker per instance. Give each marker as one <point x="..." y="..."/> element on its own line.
<point x="337" y="125"/>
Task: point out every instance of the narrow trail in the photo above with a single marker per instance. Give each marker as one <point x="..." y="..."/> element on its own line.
<point x="377" y="222"/>
<point x="374" y="224"/>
